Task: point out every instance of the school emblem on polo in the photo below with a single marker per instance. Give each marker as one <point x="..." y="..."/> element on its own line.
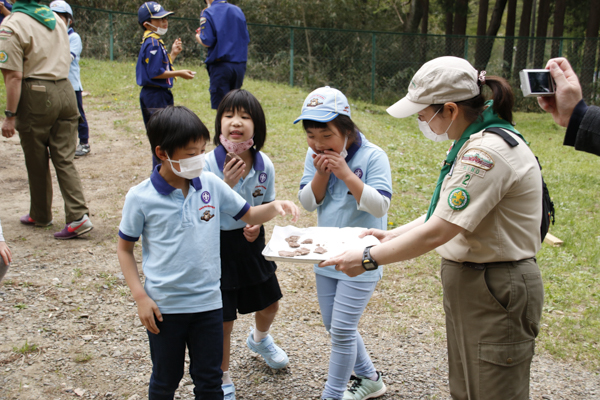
<point x="458" y="199"/>
<point x="478" y="158"/>
<point x="358" y="172"/>
<point x="314" y="102"/>
<point x="262" y="177"/>
<point x="205" y="197"/>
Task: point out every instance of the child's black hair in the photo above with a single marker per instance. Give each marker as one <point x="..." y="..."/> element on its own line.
<point x="238" y="100"/>
<point x="343" y="123"/>
<point x="174" y="127"/>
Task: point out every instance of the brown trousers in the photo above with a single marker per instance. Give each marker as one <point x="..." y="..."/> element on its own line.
<point x="492" y="318"/>
<point x="47" y="119"/>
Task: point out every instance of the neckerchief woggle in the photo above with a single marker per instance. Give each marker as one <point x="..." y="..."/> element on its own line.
<point x="154" y="35"/>
<point x="39" y="12"/>
<point x="489" y="119"/>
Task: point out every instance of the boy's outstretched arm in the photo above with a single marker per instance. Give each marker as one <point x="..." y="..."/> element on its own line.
<point x="147" y="308"/>
<point x="265" y="212"/>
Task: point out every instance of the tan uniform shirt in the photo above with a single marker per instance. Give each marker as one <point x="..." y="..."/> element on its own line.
<point x="28" y="46"/>
<point x="495" y="194"/>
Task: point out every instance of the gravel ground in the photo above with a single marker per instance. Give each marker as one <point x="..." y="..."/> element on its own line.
<point x="67" y="303"/>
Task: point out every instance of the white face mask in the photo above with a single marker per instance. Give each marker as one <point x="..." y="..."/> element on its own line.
<point x="190" y="168"/>
<point x="159" y="31"/>
<point x="344" y="152"/>
<point x="429" y="134"/>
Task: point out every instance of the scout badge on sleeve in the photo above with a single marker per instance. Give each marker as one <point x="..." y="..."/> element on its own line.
<point x="458" y="199"/>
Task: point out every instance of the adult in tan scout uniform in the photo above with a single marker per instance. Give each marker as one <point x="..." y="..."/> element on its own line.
<point x="484" y="220"/>
<point x="41" y="105"/>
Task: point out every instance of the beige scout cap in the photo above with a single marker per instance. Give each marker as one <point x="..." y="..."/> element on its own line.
<point x="438" y="81"/>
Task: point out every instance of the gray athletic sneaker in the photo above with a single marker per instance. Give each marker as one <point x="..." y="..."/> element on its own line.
<point x="363" y="388"/>
<point x="82" y="150"/>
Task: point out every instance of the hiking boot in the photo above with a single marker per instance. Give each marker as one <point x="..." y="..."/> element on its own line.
<point x="228" y="391"/>
<point x="27" y="220"/>
<point x="363" y="388"/>
<point x="75" y="228"/>
<point x="273" y="355"/>
<point x="82" y="150"/>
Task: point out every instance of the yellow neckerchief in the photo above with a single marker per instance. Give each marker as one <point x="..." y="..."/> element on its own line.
<point x="154" y="35"/>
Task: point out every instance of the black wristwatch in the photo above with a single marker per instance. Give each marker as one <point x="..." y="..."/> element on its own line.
<point x="367" y="262"/>
<point x="10" y="114"/>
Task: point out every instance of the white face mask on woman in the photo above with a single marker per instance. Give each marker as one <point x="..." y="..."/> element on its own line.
<point x="429" y="134"/>
<point x="190" y="168"/>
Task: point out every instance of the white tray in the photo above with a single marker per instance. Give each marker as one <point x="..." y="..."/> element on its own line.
<point x="334" y="240"/>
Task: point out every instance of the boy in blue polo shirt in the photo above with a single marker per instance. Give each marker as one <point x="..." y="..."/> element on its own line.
<point x="154" y="70"/>
<point x="177" y="212"/>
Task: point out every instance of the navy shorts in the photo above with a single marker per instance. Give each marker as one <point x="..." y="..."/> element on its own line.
<point x="224" y="77"/>
<point x="250" y="299"/>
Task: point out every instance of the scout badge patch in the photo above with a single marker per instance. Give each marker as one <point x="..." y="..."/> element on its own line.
<point x="478" y="158"/>
<point x="458" y="199"/>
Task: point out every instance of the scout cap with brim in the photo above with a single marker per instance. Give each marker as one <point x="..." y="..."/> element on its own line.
<point x="61" y="7"/>
<point x="323" y="105"/>
<point x="439" y="81"/>
<point x="151" y="10"/>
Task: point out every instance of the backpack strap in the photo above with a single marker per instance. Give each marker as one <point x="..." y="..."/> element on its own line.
<point x="512" y="142"/>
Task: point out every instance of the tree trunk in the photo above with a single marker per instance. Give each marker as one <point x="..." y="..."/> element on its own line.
<point x="559" y="26"/>
<point x="590" y="49"/>
<point x="523" y="42"/>
<point x="460" y="27"/>
<point x="541" y="33"/>
<point x="509" y="40"/>
<point x="449" y="9"/>
<point x="424" y="28"/>
<point x="481" y="42"/>
<point x="485" y="45"/>
<point x="414" y="16"/>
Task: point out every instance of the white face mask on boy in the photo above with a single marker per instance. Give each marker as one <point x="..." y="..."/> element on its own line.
<point x="190" y="168"/>
<point x="159" y="31"/>
<point x="431" y="135"/>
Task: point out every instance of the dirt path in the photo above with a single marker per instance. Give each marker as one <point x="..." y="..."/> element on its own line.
<point x="68" y="302"/>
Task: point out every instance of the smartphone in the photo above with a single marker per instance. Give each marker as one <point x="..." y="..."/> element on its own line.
<point x="536" y="82"/>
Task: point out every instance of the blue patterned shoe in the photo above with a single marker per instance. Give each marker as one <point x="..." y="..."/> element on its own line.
<point x="273" y="355"/>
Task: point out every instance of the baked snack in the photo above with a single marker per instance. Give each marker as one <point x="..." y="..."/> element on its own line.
<point x="294" y="245"/>
<point x="302" y="251"/>
<point x="292" y="239"/>
<point x="307" y="241"/>
<point x="283" y="253"/>
<point x="229" y="157"/>
<point x="320" y="250"/>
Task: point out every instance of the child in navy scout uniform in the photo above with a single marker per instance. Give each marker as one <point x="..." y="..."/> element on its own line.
<point x="64" y="11"/>
<point x="177" y="212"/>
<point x="248" y="281"/>
<point x="347" y="179"/>
<point x="154" y="70"/>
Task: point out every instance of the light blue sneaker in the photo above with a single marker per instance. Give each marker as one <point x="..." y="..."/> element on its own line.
<point x="228" y="391"/>
<point x="273" y="355"/>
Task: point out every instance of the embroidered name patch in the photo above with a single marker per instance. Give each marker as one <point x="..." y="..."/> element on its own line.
<point x="458" y="199"/>
<point x="469" y="169"/>
<point x="5" y="33"/>
<point x="202" y="20"/>
<point x="478" y="158"/>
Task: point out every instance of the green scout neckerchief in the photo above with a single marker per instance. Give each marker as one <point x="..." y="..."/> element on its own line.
<point x="39" y="12"/>
<point x="488" y="119"/>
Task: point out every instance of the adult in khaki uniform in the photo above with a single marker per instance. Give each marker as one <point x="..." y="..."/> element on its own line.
<point x="484" y="220"/>
<point x="41" y="105"/>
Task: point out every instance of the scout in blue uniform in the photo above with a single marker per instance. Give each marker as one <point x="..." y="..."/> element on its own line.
<point x="223" y="31"/>
<point x="154" y="70"/>
<point x="5" y="9"/>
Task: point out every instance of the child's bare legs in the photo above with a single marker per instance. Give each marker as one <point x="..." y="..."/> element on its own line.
<point x="227" y="329"/>
<point x="264" y="318"/>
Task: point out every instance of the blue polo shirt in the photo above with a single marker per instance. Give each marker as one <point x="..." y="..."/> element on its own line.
<point x="153" y="60"/>
<point x="180" y="239"/>
<point x="76" y="47"/>
<point x="339" y="208"/>
<point x="256" y="188"/>
<point x="223" y="29"/>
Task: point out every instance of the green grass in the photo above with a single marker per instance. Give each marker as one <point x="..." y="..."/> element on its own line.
<point x="571" y="273"/>
<point x="26" y="348"/>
